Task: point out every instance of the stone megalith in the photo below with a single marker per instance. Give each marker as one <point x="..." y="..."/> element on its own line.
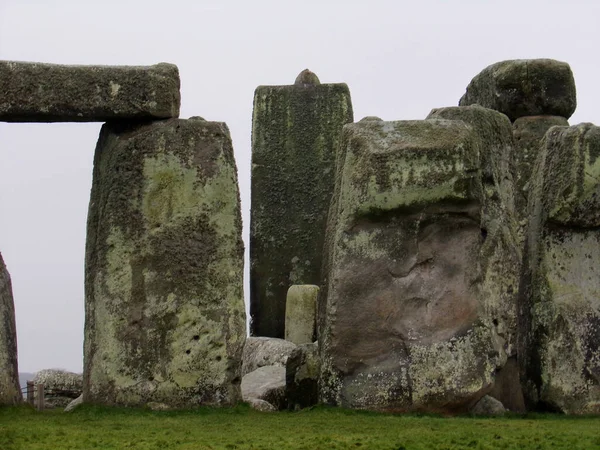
<point x="529" y="132"/>
<point x="559" y="345"/>
<point x="39" y="92"/>
<point x="524" y="87"/>
<point x="295" y="137"/>
<point x="165" y="317"/>
<point x="300" y="313"/>
<point x="10" y="393"/>
<point x="422" y="269"/>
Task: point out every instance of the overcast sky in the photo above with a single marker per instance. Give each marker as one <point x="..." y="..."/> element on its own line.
<point x="400" y="59"/>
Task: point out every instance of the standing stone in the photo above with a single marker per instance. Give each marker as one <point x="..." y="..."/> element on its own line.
<point x="524" y="87"/>
<point x="300" y="312"/>
<point x="10" y="394"/>
<point x="422" y="272"/>
<point x="528" y="132"/>
<point x="37" y="92"/>
<point x="60" y="386"/>
<point x="165" y="318"/>
<point x="559" y="326"/>
<point x="295" y="137"/>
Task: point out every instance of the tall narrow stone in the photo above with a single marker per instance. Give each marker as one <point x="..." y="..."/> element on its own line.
<point x="10" y="393"/>
<point x="39" y="92"/>
<point x="165" y="318"/>
<point x="300" y="314"/>
<point x="422" y="271"/>
<point x="559" y="346"/>
<point x="295" y="137"/>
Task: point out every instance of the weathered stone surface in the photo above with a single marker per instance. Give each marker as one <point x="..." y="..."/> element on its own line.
<point x="528" y="132"/>
<point x="265" y="383"/>
<point x="560" y="293"/>
<point x="507" y="387"/>
<point x="295" y="137"/>
<point x="74" y="404"/>
<point x="38" y="92"/>
<point x="526" y="87"/>
<point x="264" y="351"/>
<point x="421" y="270"/>
<point x="302" y="376"/>
<point x="300" y="313"/>
<point x="10" y="393"/>
<point x="488" y="406"/>
<point x="165" y="318"/>
<point x="261" y="405"/>
<point x="60" y="386"/>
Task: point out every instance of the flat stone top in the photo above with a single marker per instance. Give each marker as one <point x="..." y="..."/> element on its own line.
<point x="41" y="92"/>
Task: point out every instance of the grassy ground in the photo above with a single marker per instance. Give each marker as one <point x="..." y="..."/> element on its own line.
<point x="319" y="428"/>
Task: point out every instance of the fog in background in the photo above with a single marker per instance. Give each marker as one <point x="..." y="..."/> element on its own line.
<point x="399" y="58"/>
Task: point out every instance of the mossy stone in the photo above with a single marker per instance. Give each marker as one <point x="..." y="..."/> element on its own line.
<point x="165" y="318"/>
<point x="295" y="138"/>
<point x="10" y="393"/>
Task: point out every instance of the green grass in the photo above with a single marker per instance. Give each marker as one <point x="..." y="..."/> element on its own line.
<point x="318" y="428"/>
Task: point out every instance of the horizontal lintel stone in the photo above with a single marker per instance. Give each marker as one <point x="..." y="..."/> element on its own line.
<point x="40" y="92"/>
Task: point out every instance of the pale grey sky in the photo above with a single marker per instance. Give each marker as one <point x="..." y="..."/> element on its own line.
<point x="400" y="59"/>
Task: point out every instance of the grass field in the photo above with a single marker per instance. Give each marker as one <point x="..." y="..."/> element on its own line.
<point x="318" y="428"/>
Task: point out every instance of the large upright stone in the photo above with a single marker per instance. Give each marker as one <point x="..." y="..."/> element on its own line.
<point x="295" y="137"/>
<point x="422" y="272"/>
<point x="300" y="313"/>
<point x="39" y="92"/>
<point x="165" y="318"/>
<point x="560" y="295"/>
<point x="528" y="132"/>
<point x="10" y="393"/>
<point x="524" y="87"/>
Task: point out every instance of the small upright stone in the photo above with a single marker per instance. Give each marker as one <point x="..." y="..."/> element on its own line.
<point x="39" y="92"/>
<point x="526" y="87"/>
<point x="300" y="314"/>
<point x="295" y="137"/>
<point x="10" y="394"/>
<point x="165" y="317"/>
<point x="559" y="302"/>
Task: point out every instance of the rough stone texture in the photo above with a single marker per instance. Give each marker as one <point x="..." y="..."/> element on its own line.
<point x="507" y="387"/>
<point x="60" y="386"/>
<point x="38" y="92"/>
<point x="295" y="137"/>
<point x="488" y="406"/>
<point x="265" y="383"/>
<point x="261" y="405"/>
<point x="560" y="291"/>
<point x="302" y="376"/>
<point x="10" y="393"/>
<point x="165" y="319"/>
<point x="528" y="132"/>
<point x="264" y="351"/>
<point x="74" y="404"/>
<point x="526" y="87"/>
<point x="421" y="265"/>
<point x="300" y="313"/>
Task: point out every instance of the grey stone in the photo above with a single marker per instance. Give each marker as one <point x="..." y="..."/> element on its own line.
<point x="10" y="394"/>
<point x="302" y="377"/>
<point x="265" y="383"/>
<point x="261" y="405"/>
<point x="263" y="351"/>
<point x="165" y="317"/>
<point x="300" y="313"/>
<point x="527" y="87"/>
<point x="528" y="132"/>
<point x="488" y="406"/>
<point x="421" y="264"/>
<point x="60" y="386"/>
<point x="507" y="387"/>
<point x="295" y="137"/>
<point x="38" y="92"/>
<point x="74" y="404"/>
<point x="559" y="303"/>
